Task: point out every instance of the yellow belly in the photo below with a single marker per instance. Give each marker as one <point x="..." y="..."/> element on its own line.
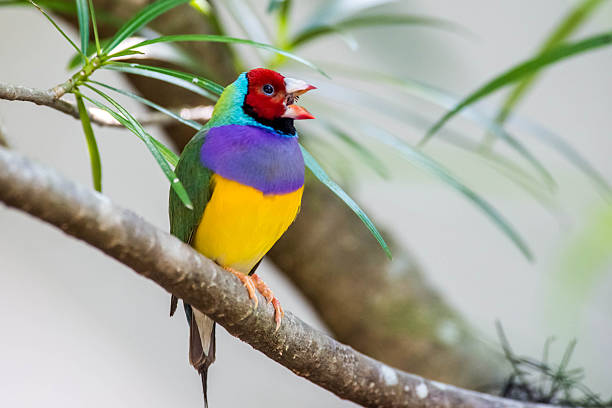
<point x="240" y="224"/>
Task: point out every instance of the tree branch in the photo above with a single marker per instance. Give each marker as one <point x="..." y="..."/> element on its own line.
<point x="3" y="137"/>
<point x="98" y="116"/>
<point x="158" y="256"/>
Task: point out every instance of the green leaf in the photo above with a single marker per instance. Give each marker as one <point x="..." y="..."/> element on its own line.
<point x="368" y="157"/>
<point x="519" y="71"/>
<point x="142" y="18"/>
<point x="191" y="123"/>
<point x="83" y="17"/>
<point x="447" y="100"/>
<point x="194" y="83"/>
<point x="320" y="174"/>
<point x="57" y="27"/>
<point x="382" y="20"/>
<point x="565" y="149"/>
<point x="229" y="40"/>
<point x="175" y="183"/>
<point x="168" y="154"/>
<point x="568" y="25"/>
<point x="444" y="99"/>
<point x="92" y="145"/>
<point x="421" y="160"/>
<point x="329" y="12"/>
<point x="95" y="27"/>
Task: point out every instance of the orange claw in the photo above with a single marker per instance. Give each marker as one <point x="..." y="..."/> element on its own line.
<point x="267" y="293"/>
<point x="248" y="283"/>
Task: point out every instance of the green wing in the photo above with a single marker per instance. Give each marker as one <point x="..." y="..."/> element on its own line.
<point x="196" y="179"/>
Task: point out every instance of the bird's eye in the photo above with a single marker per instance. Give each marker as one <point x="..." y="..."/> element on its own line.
<point x="268" y="89"/>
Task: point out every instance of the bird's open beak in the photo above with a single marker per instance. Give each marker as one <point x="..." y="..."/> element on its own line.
<point x="295" y="88"/>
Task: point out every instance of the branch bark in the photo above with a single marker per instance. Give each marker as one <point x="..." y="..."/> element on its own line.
<point x="179" y="269"/>
<point x="98" y="116"/>
<point x="3" y="137"/>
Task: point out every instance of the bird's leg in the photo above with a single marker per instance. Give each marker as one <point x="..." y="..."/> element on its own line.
<point x="267" y="293"/>
<point x="247" y="281"/>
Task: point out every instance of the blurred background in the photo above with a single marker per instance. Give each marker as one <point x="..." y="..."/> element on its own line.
<point x="78" y="328"/>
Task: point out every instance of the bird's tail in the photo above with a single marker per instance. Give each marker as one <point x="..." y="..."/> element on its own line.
<point x="202" y="346"/>
<point x="201" y="342"/>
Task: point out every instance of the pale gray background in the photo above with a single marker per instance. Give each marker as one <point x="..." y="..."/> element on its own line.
<point x="79" y="329"/>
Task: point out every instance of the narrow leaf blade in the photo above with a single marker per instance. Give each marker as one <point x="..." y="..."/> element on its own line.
<point x="175" y="183"/>
<point x="447" y="100"/>
<point x="194" y="83"/>
<point x="381" y="20"/>
<point x="191" y="123"/>
<point x="368" y="157"/>
<point x="519" y="71"/>
<point x="419" y="159"/>
<point x="577" y="16"/>
<point x="168" y="154"/>
<point x="92" y="145"/>
<point x="142" y="18"/>
<point x="228" y="40"/>
<point x="83" y="17"/>
<point x="320" y="174"/>
<point x="57" y="27"/>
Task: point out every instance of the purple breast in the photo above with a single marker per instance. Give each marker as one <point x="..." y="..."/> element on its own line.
<point x="256" y="157"/>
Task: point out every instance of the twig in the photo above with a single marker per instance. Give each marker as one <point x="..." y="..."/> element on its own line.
<point x="176" y="267"/>
<point x="98" y="116"/>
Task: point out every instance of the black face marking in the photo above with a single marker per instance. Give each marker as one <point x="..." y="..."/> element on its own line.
<point x="283" y="125"/>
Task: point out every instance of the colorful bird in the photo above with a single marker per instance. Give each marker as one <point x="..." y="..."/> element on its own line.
<point x="244" y="173"/>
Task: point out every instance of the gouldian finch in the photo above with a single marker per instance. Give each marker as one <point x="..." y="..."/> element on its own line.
<point x="244" y="173"/>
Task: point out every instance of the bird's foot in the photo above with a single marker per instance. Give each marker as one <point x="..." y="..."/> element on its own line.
<point x="248" y="283"/>
<point x="267" y="293"/>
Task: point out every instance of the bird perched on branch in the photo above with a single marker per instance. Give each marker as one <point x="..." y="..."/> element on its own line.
<point x="244" y="173"/>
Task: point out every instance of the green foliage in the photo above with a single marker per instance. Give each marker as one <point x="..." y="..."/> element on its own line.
<point x="95" y="28"/>
<point x="521" y="70"/>
<point x="168" y="154"/>
<point x="194" y="83"/>
<point x="142" y="18"/>
<point x="424" y="162"/>
<point x="444" y="99"/>
<point x="379" y="20"/>
<point x="191" y="123"/>
<point x="92" y="145"/>
<point x="83" y="16"/>
<point x="366" y="155"/>
<point x="581" y="12"/>
<point x="540" y="381"/>
<point x="227" y="40"/>
<point x="137" y="129"/>
<point x="57" y="27"/>
<point x="322" y="176"/>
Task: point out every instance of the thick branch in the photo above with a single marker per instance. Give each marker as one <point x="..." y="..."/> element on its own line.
<point x="156" y="255"/>
<point x="97" y="116"/>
